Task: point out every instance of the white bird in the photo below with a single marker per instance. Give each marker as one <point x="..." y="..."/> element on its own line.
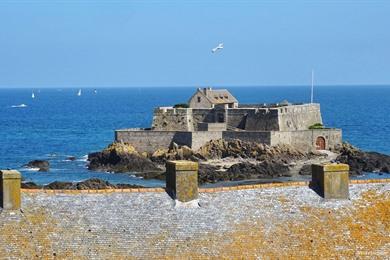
<point x="219" y="47"/>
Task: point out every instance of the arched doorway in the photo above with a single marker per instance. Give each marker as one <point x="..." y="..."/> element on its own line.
<point x="221" y="118"/>
<point x="320" y="143"/>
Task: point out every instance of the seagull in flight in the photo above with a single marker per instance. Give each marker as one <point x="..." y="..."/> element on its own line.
<point x="219" y="47"/>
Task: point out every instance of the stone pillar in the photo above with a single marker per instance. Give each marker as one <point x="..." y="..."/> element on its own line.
<point x="10" y="181"/>
<point x="331" y="180"/>
<point x="182" y="180"/>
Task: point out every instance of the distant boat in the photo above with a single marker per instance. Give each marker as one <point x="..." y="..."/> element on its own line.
<point x="79" y="93"/>
<point x="19" y="106"/>
<point x="32" y="95"/>
<point x="94" y="91"/>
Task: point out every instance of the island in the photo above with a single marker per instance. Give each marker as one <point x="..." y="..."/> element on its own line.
<point x="233" y="141"/>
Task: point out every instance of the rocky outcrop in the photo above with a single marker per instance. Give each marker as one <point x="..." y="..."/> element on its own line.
<point x="217" y="149"/>
<point x="233" y="160"/>
<point x="94" y="184"/>
<point x="30" y="185"/>
<point x="175" y="152"/>
<point x="42" y="165"/>
<point x="120" y="157"/>
<point x="242" y="171"/>
<point x="360" y="161"/>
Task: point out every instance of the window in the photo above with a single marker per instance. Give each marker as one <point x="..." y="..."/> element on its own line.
<point x="199" y="99"/>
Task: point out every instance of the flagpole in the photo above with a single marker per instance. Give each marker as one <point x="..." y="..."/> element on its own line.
<point x="312" y="86"/>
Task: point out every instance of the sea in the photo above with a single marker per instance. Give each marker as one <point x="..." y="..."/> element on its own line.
<point x="58" y="123"/>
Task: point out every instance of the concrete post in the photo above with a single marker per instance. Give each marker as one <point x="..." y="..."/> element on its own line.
<point x="331" y="180"/>
<point x="182" y="180"/>
<point x="10" y="182"/>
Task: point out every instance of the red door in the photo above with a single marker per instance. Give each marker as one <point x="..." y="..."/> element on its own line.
<point x="320" y="143"/>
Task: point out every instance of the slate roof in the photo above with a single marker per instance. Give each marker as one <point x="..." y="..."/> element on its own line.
<point x="218" y="96"/>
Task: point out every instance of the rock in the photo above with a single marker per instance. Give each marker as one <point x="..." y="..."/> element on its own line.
<point x="208" y="174"/>
<point x="71" y="158"/>
<point x="30" y="185"/>
<point x="242" y="171"/>
<point x="59" y="185"/>
<point x="360" y="161"/>
<point x="218" y="149"/>
<point x="305" y="170"/>
<point x="43" y="165"/>
<point x="120" y="157"/>
<point x="265" y="169"/>
<point x="93" y="184"/>
<point x="152" y="175"/>
<point x="127" y="186"/>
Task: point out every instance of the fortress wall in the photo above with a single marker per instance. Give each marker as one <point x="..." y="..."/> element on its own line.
<point x="298" y="117"/>
<point x="169" y="119"/>
<point x="181" y="119"/>
<point x="151" y="140"/>
<point x="200" y="138"/>
<point x="201" y="115"/>
<point x="236" y="117"/>
<point x="144" y="140"/>
<point x="258" y="137"/>
<point x="211" y="126"/>
<point x="306" y="139"/>
<point x="262" y="119"/>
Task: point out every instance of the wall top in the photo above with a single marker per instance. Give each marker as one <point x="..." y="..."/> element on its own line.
<point x="333" y="167"/>
<point x="182" y="165"/>
<point x="10" y="174"/>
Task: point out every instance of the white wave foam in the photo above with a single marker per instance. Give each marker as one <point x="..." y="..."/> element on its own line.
<point x="31" y="169"/>
<point x="19" y="106"/>
<point x="83" y="158"/>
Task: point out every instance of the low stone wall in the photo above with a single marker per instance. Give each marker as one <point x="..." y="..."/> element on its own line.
<point x="306" y="139"/>
<point x="248" y="136"/>
<point x="200" y="138"/>
<point x="201" y="190"/>
<point x="151" y="140"/>
<point x="145" y="141"/>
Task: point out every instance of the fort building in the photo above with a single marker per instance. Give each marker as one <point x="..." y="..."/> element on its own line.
<point x="210" y="98"/>
<point x="217" y="114"/>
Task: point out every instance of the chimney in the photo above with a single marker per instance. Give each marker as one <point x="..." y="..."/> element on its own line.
<point x="205" y="90"/>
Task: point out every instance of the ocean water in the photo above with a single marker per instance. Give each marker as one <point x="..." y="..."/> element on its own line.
<point x="58" y="123"/>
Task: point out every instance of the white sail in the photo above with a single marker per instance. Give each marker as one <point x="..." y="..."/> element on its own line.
<point x="32" y="95"/>
<point x="79" y="93"/>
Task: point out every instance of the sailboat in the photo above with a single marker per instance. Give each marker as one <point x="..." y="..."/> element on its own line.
<point x="79" y="93"/>
<point x="33" y="95"/>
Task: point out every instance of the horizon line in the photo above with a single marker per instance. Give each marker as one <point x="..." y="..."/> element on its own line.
<point x="192" y="86"/>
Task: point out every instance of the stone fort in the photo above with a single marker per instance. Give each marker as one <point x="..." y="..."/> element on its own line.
<point x="216" y="114"/>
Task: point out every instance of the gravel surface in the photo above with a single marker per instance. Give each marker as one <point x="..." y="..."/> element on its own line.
<point x="151" y="224"/>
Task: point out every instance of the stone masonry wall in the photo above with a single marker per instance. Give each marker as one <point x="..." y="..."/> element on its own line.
<point x="168" y="119"/>
<point x="145" y="141"/>
<point x="200" y="138"/>
<point x="288" y="118"/>
<point x="258" y="137"/>
<point x="306" y="139"/>
<point x="298" y="117"/>
<point x="151" y="140"/>
<point x="264" y="119"/>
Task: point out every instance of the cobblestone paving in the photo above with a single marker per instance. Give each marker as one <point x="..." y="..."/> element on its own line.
<point x="286" y="222"/>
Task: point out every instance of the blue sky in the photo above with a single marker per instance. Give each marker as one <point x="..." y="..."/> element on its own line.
<point x="139" y="43"/>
